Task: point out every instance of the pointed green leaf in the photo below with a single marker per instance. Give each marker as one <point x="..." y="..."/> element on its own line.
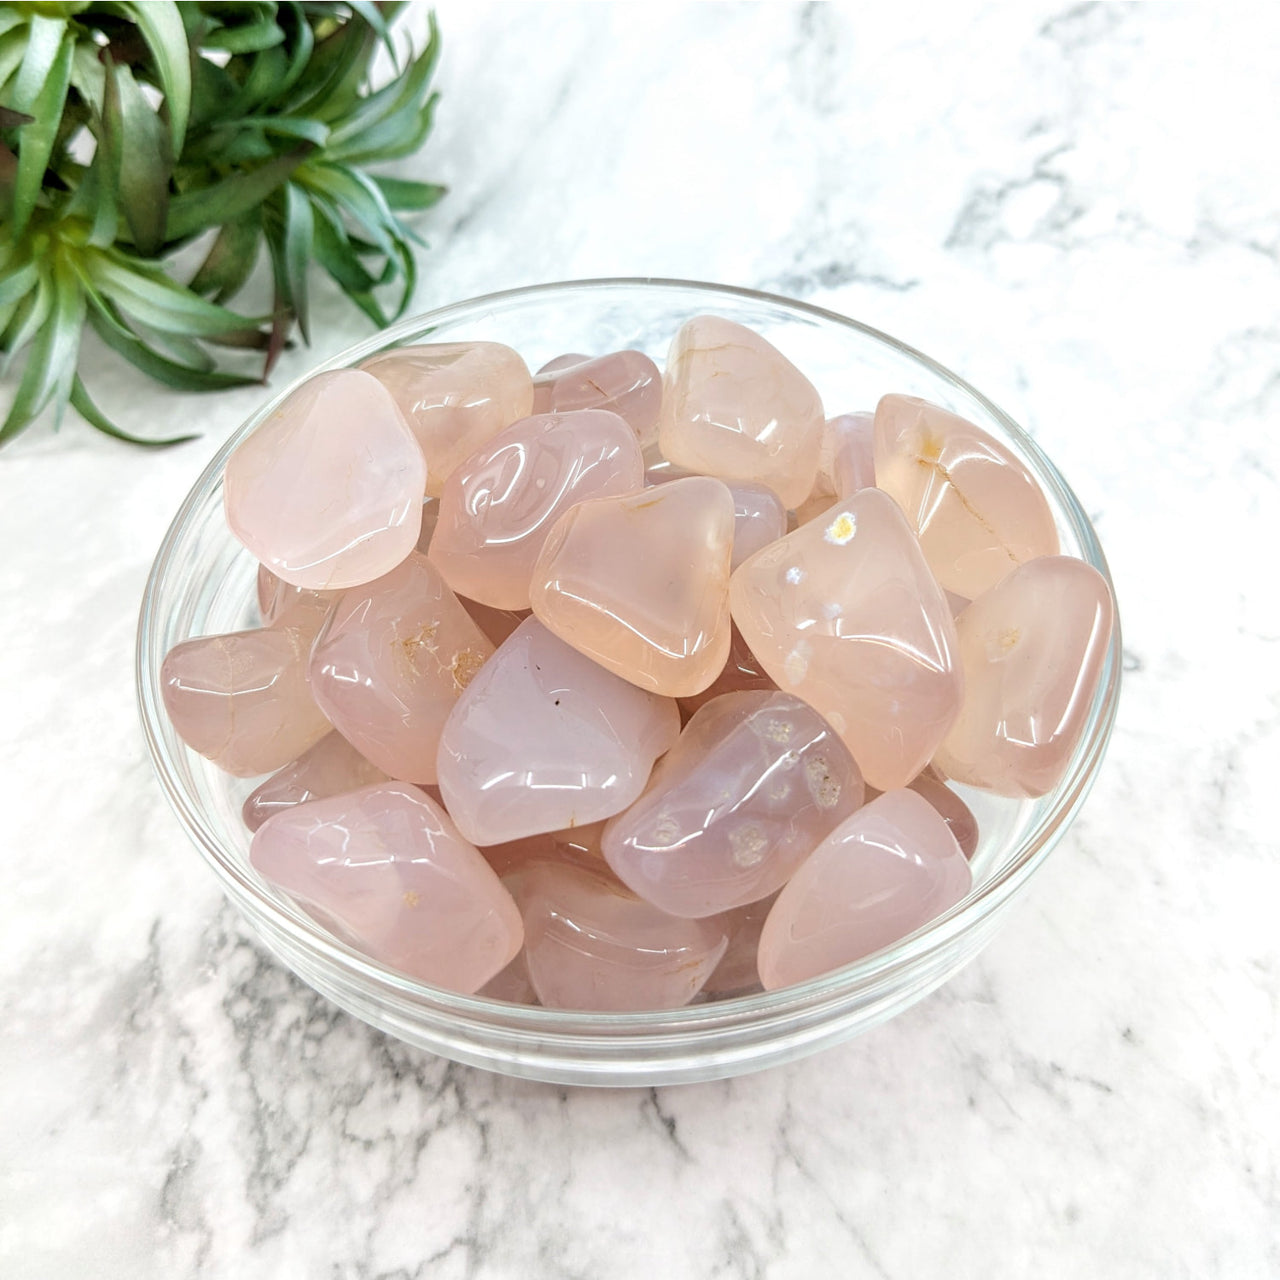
<point x="373" y="17"/>
<point x="161" y="25"/>
<point x="248" y="37"/>
<point x="88" y="75"/>
<point x="392" y="139"/>
<point x="17" y="282"/>
<point x="94" y="416"/>
<point x="13" y="48"/>
<point x="406" y="194"/>
<point x="138" y="147"/>
<point x="299" y="231"/>
<point x="356" y="196"/>
<point x="40" y="91"/>
<point x="28" y="321"/>
<point x="230" y="260"/>
<point x="231" y="198"/>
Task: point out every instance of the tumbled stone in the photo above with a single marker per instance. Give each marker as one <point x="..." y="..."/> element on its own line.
<point x="455" y="396"/>
<point x="759" y="518"/>
<point x="976" y="508"/>
<point x="734" y="406"/>
<point x="640" y="583"/>
<point x="327" y="493"/>
<point x="388" y="872"/>
<point x="497" y="624"/>
<point x="545" y="739"/>
<point x="512" y="985"/>
<point x="430" y="514"/>
<point x="742" y="671"/>
<point x="500" y="503"/>
<point x="330" y="768"/>
<point x="845" y="614"/>
<point x="752" y="786"/>
<point x="241" y="700"/>
<point x="546" y="376"/>
<point x="882" y="874"/>
<point x="737" y="974"/>
<point x="846" y="459"/>
<point x="627" y="383"/>
<point x="579" y="845"/>
<point x="591" y="945"/>
<point x="953" y="811"/>
<point x="659" y="470"/>
<point x="391" y="662"/>
<point x="1032" y="649"/>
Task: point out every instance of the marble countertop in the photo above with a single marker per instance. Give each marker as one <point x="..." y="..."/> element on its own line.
<point x="1078" y="209"/>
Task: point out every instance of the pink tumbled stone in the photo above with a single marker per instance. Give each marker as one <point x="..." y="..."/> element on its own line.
<point x="954" y="812"/>
<point x="738" y="974"/>
<point x="391" y="662"/>
<point x="627" y="383"/>
<point x="976" y="508"/>
<point x="591" y="945"/>
<point x="327" y="492"/>
<point x="882" y="874"/>
<point x="242" y="700"/>
<point x="330" y="768"/>
<point x="640" y="583"/>
<point x="545" y="739"/>
<point x="734" y="406"/>
<point x="512" y="985"/>
<point x="658" y="470"/>
<point x="497" y="624"/>
<point x="455" y="396"/>
<point x="386" y="869"/>
<point x="846" y="460"/>
<point x="1033" y="649"/>
<point x="742" y="671"/>
<point x="500" y="503"/>
<point x="759" y="518"/>
<point x="845" y="614"/>
<point x="545" y="378"/>
<point x="752" y="786"/>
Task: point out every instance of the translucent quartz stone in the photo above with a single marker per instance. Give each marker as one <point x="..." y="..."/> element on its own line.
<point x="327" y="493"/>
<point x="512" y="985"/>
<point x="579" y="845"/>
<point x="455" y="396"/>
<point x="497" y="624"/>
<point x="545" y="739"/>
<point x="589" y="944"/>
<point x="640" y="583"/>
<point x="430" y="514"/>
<point x="546" y="376"/>
<point x="754" y="783"/>
<point x="737" y="973"/>
<point x="976" y="508"/>
<point x="282" y="605"/>
<point x="846" y="459"/>
<point x="845" y="614"/>
<point x="241" y="700"/>
<point x="386" y="869"/>
<point x="1032" y="650"/>
<point x="627" y="383"/>
<point x="500" y="503"/>
<point x="734" y="406"/>
<point x="759" y="518"/>
<point x="742" y="671"/>
<point x="330" y="768"/>
<point x="953" y="811"/>
<point x="658" y="470"/>
<point x="883" y="873"/>
<point x="391" y="662"/>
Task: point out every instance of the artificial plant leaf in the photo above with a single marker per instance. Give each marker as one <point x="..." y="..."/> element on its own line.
<point x="39" y="91"/>
<point x="299" y="230"/>
<point x="406" y="194"/>
<point x="161" y="25"/>
<point x="94" y="416"/>
<point x="137" y="145"/>
<point x="230" y="259"/>
<point x="230" y="198"/>
<point x="248" y="37"/>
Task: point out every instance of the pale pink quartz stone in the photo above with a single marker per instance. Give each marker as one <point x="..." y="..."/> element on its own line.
<point x="282" y="605"/>
<point x="1032" y="649"/>
<point x="544" y="739"/>
<point x="977" y="510"/>
<point x="742" y="671"/>
<point x="546" y="377"/>
<point x="882" y="874"/>
<point x="579" y="845"/>
<point x="658" y="470"/>
<point x="388" y="872"/>
<point x="846" y="460"/>
<point x="627" y="383"/>
<point x="737" y="973"/>
<point x="455" y="396"/>
<point x="953" y="811"/>
<point x="592" y="945"/>
<point x="430" y="514"/>
<point x="512" y="985"/>
<point x="327" y="492"/>
<point x="845" y="614"/>
<point x="734" y="406"/>
<point x="759" y="518"/>
<point x="640" y="583"/>
<point x="497" y="624"/>
<point x="750" y="789"/>
<point x="330" y="768"/>
<point x="390" y="663"/>
<point x="500" y="503"/>
<point x="242" y="700"/>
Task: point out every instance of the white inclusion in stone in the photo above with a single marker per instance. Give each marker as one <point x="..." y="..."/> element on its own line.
<point x="748" y="843"/>
<point x="824" y="788"/>
<point x="831" y="610"/>
<point x="836" y="721"/>
<point x="842" y="529"/>
<point x="796" y="665"/>
<point x="771" y="730"/>
<point x="666" y="831"/>
<point x="795" y="575"/>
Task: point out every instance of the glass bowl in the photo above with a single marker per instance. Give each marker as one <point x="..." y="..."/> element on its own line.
<point x="203" y="582"/>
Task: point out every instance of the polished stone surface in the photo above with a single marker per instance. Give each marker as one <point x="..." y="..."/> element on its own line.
<point x="627" y="383"/>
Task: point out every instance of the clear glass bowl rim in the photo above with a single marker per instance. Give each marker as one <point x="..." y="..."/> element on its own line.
<point x="547" y="1027"/>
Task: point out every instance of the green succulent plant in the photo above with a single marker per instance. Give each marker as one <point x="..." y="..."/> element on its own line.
<point x="128" y="130"/>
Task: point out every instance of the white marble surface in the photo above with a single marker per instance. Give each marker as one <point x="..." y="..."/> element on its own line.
<point x="1079" y="210"/>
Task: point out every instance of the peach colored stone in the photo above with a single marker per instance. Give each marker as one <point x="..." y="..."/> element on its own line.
<point x="658" y="470"/>
<point x="241" y="700"/>
<point x="846" y="459"/>
<point x="845" y="614"/>
<point x="737" y="973"/>
<point x="1033" y="649"/>
<point x="750" y="789"/>
<point x="330" y="768"/>
<point x="742" y="671"/>
<point x="640" y="583"/>
<point x="327" y="491"/>
<point x="976" y="508"/>
<point x="734" y="406"/>
<point x="512" y="985"/>
<point x="455" y="396"/>
<point x="497" y="624"/>
<point x="953" y="811"/>
<point x="579" y="845"/>
<point x="391" y="662"/>
<point x="545" y="379"/>
<point x="591" y="945"/>
<point x="430" y="515"/>
<point x="627" y="383"/>
<point x="500" y="503"/>
<point x="545" y="739"/>
<point x="388" y="872"/>
<point x="759" y="518"/>
<point x="280" y="604"/>
<point x="882" y="874"/>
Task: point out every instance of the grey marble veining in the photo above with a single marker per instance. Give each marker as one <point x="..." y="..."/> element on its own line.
<point x="1078" y="209"/>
